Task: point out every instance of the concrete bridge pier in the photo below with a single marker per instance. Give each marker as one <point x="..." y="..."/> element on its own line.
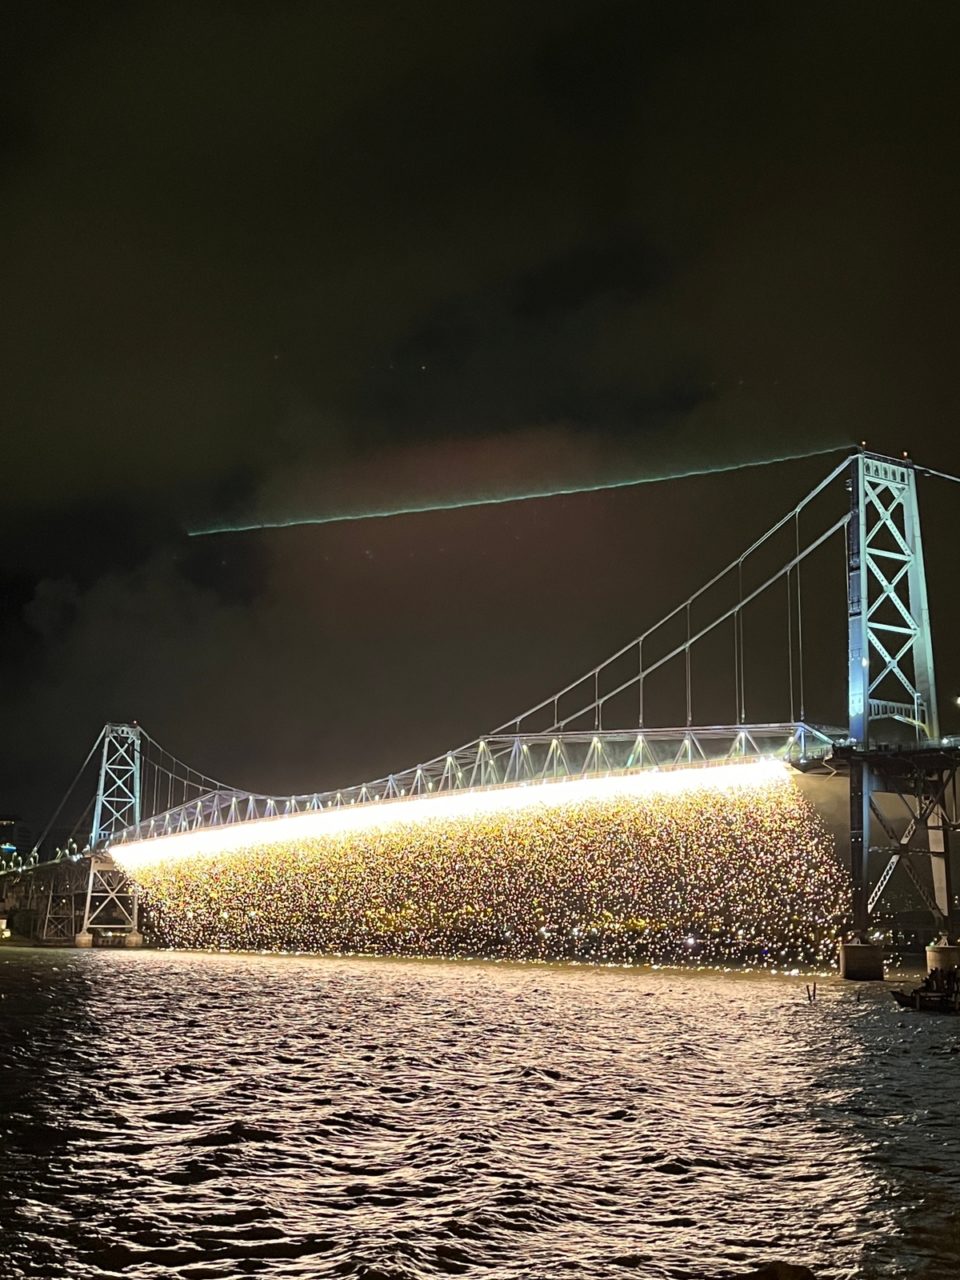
<point x="861" y="961"/>
<point x="942" y="955"/>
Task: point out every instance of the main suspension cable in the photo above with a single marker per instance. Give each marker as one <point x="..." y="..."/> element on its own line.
<point x="718" y="577"/>
<point x="68" y="792"/>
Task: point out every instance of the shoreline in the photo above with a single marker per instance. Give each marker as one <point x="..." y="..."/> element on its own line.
<point x="899" y="973"/>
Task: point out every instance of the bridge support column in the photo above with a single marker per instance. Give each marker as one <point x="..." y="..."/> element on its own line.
<point x="112" y="904"/>
<point x="894" y="734"/>
<point x="938" y="842"/>
<point x="861" y="962"/>
<point x="942" y="956"/>
<point x="859" y="842"/>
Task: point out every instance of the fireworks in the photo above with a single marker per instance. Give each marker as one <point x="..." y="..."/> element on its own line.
<point x="734" y="867"/>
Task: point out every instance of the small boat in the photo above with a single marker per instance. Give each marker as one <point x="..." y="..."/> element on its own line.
<point x="927" y="1001"/>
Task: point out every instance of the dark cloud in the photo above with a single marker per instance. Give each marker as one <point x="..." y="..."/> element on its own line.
<point x="256" y="254"/>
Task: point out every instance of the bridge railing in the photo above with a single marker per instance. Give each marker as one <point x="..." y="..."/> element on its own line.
<point x="511" y="760"/>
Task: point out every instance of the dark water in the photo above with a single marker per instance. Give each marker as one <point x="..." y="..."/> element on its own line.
<point x="175" y="1115"/>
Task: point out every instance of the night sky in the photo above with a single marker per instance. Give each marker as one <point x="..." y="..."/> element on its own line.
<point x="268" y="256"/>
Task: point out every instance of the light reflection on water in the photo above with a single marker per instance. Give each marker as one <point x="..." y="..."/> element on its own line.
<point x="216" y="1116"/>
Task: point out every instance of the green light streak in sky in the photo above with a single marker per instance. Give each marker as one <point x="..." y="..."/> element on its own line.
<point x="487" y="501"/>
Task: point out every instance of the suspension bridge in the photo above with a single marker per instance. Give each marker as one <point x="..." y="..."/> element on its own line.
<point x="635" y="711"/>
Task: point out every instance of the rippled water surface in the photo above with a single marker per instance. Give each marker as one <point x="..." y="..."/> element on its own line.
<point x="182" y="1115"/>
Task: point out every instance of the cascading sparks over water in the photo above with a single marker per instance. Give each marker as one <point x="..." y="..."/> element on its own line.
<point x="713" y="865"/>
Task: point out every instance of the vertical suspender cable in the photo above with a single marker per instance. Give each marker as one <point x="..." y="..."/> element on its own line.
<point x="743" y="698"/>
<point x="596" y="698"/>
<point x="687" y="658"/>
<point x="781" y="524"/>
<point x="56" y="813"/>
<point x="736" y="666"/>
<point x="790" y="642"/>
<point x="803" y="711"/>
<point x="640" y="679"/>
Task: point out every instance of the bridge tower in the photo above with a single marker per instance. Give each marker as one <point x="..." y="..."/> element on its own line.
<point x="118" y="792"/>
<point x="895" y="744"/>
<point x="111" y="899"/>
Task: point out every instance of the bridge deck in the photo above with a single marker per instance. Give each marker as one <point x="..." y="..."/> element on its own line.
<point x="507" y="760"/>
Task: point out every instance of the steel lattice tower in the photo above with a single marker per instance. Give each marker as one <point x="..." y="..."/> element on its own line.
<point x="891" y="672"/>
<point x="891" y="649"/>
<point x="118" y="790"/>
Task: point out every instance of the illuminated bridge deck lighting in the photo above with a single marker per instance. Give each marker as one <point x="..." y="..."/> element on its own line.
<point x="728" y="863"/>
<point x="338" y="820"/>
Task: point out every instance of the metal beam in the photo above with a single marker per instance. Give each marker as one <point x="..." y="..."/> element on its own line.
<point x="515" y="759"/>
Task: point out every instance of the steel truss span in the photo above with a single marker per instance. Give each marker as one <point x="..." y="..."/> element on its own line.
<point x="511" y="760"/>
